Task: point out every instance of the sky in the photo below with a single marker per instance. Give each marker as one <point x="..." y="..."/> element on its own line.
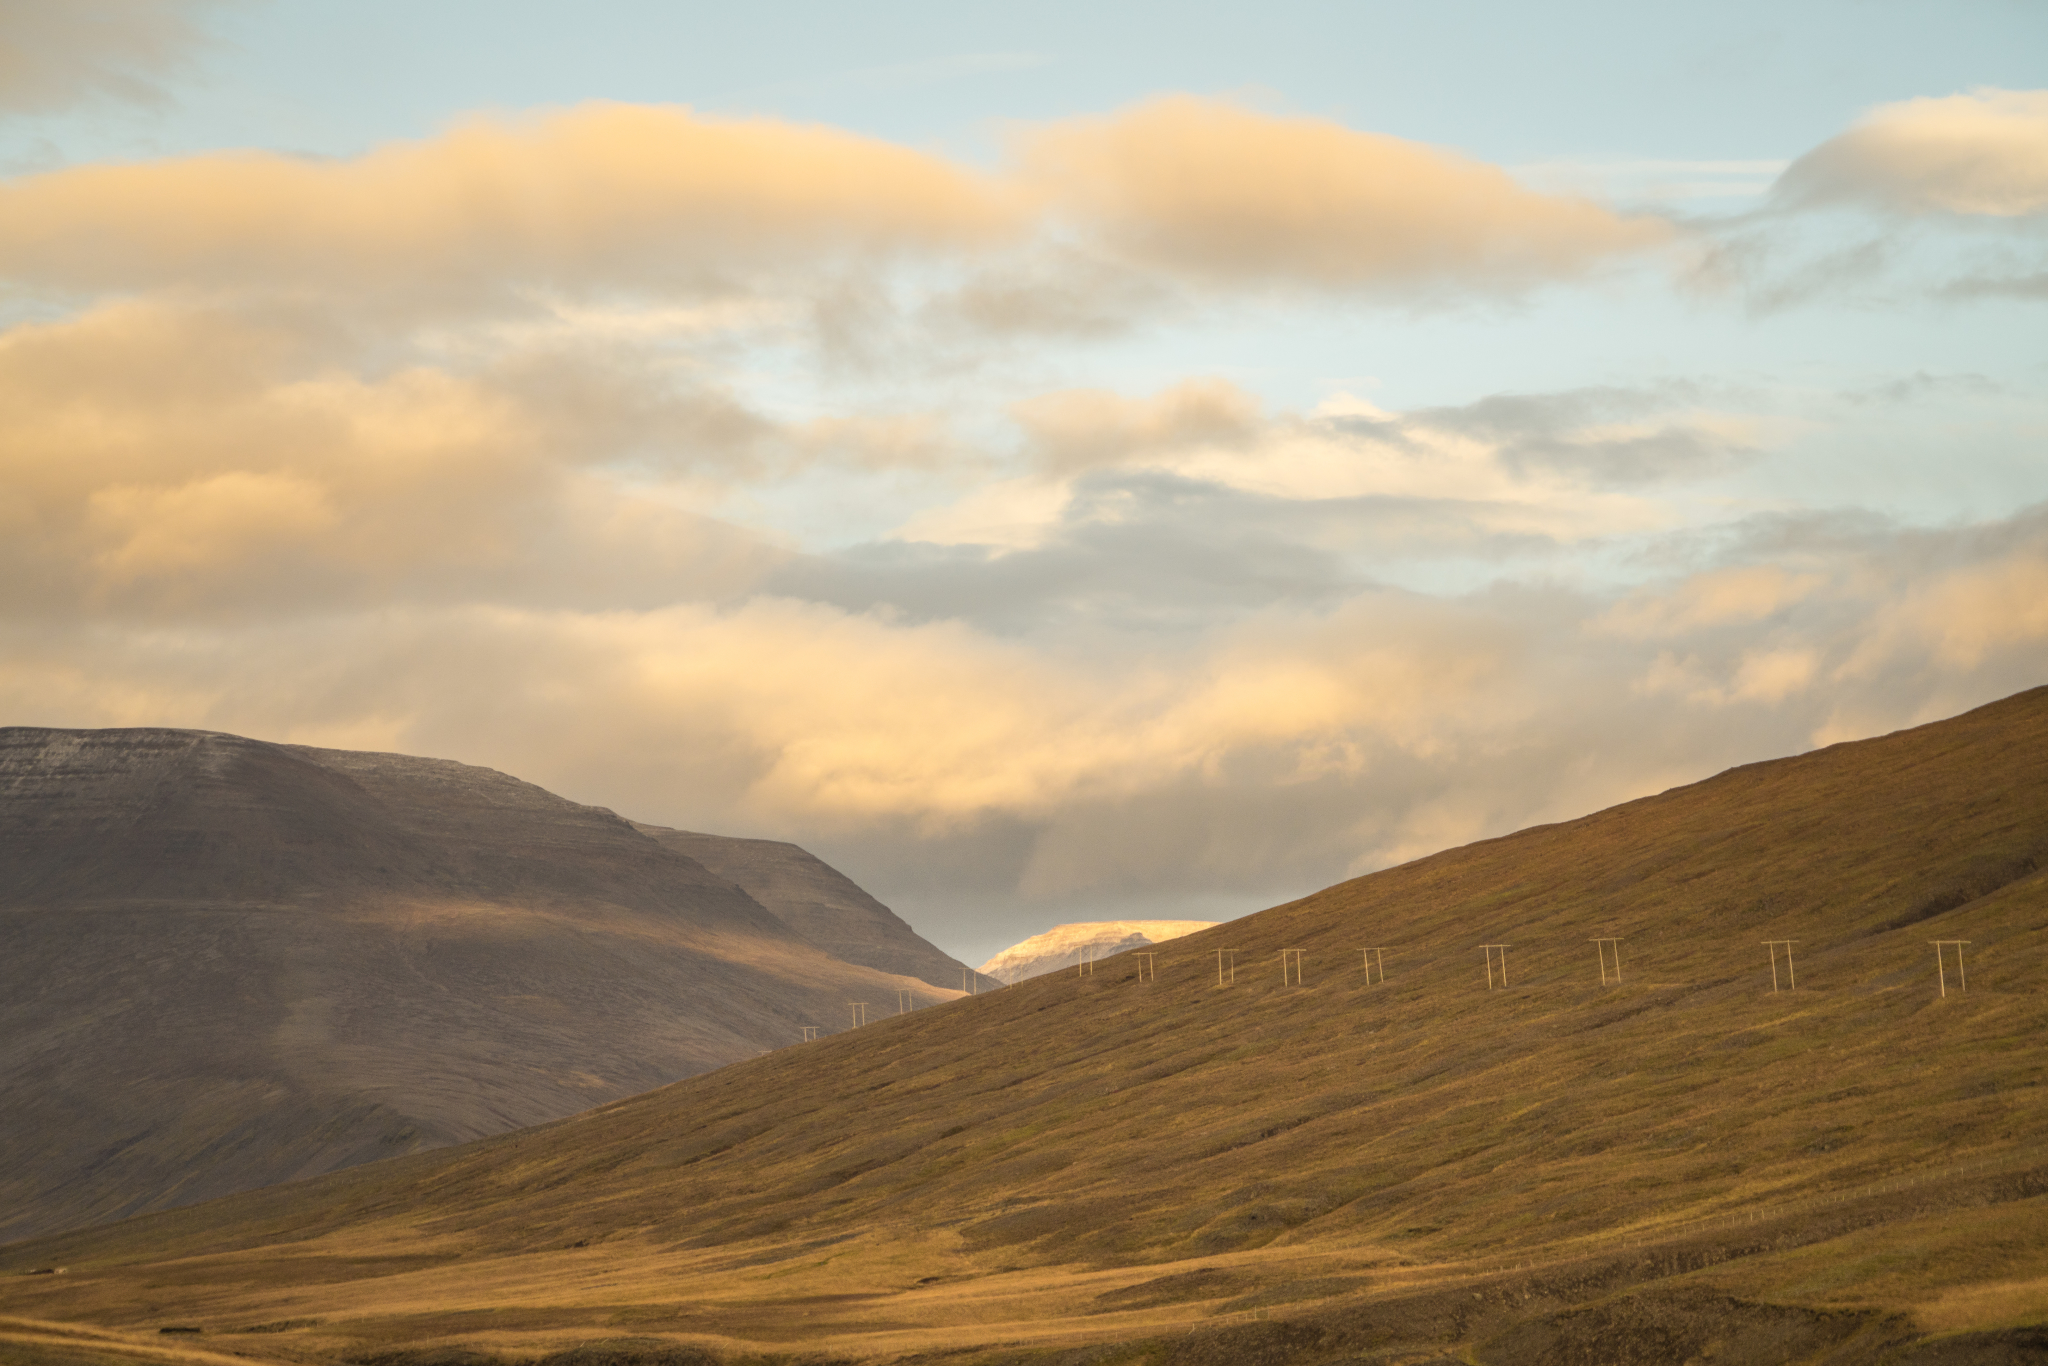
<point x="1056" y="462"/>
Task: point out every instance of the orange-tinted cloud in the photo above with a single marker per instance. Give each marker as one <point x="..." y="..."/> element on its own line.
<point x="588" y="195"/>
<point x="1232" y="196"/>
<point x="164" y="459"/>
<point x="1075" y="429"/>
<point x="1984" y="153"/>
<point x="616" y="196"/>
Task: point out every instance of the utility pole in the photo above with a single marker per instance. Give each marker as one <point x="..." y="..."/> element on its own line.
<point x="1370" y="955"/>
<point x="1147" y="971"/>
<point x="860" y="1012"/>
<point x="905" y="1002"/>
<point x="1603" y="947"/>
<point x="810" y="1032"/>
<point x="1490" y="950"/>
<point x="1941" y="969"/>
<point x="1791" y="982"/>
<point x="1290" y="965"/>
<point x="1226" y="962"/>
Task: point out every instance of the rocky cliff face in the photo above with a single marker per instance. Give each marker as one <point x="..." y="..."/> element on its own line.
<point x="225" y="963"/>
<point x="1062" y="946"/>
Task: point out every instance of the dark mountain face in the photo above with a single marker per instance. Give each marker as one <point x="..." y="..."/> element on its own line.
<point x="1318" y="1163"/>
<point x="225" y="963"/>
<point x="188" y="816"/>
<point x="821" y="903"/>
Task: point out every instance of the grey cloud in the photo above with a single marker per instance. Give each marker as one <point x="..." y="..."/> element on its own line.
<point x="1179" y="555"/>
<point x="1920" y="385"/>
<point x="58" y="53"/>
<point x="1562" y="432"/>
<point x="2031" y="286"/>
<point x="1153" y="552"/>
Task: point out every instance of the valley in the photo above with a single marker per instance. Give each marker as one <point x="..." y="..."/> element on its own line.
<point x="1687" y="1163"/>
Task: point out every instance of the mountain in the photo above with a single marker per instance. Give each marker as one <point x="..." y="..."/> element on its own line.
<point x="229" y="963"/>
<point x="820" y="903"/>
<point x="1068" y="946"/>
<point x="1687" y="1164"/>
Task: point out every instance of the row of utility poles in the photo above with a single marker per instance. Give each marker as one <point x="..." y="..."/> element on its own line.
<point x="1608" y="951"/>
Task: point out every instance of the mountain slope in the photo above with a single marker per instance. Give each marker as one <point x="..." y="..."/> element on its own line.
<point x="1683" y="1165"/>
<point x="819" y="902"/>
<point x="229" y="963"/>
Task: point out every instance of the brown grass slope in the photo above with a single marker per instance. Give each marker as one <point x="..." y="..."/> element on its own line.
<point x="225" y="963"/>
<point x="1684" y="1166"/>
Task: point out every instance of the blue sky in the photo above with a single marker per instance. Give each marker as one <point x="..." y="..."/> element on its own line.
<point x="1057" y="462"/>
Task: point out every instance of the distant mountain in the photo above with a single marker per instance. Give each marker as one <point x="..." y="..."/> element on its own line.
<point x="225" y="963"/>
<point x="819" y="902"/>
<point x="1062" y="946"/>
<point x="1692" y="1163"/>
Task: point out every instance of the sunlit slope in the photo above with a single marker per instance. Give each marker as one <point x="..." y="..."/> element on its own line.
<point x="1553" y="1170"/>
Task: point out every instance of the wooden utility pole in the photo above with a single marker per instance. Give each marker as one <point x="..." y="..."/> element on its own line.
<point x="860" y="1012"/>
<point x="1490" y="950"/>
<point x="1370" y="955"/>
<point x="1290" y="966"/>
<point x="1791" y="982"/>
<point x="1603" y="947"/>
<point x="1226" y="962"/>
<point x="810" y="1032"/>
<point x="1941" y="970"/>
<point x="1147" y="971"/>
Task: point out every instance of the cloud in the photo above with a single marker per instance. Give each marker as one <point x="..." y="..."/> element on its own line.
<point x="594" y="195"/>
<point x="1553" y="467"/>
<point x="1077" y="429"/>
<point x="1985" y="153"/>
<point x="1721" y="597"/>
<point x="54" y="55"/>
<point x="1229" y="196"/>
<point x="164" y="460"/>
<point x="604" y="209"/>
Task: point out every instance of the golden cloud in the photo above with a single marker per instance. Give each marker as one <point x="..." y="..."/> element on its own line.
<point x="659" y="197"/>
<point x="591" y="194"/>
<point x="1720" y="597"/>
<point x="1229" y="195"/>
<point x="162" y="457"/>
<point x="1984" y="153"/>
<point x="1075" y="429"/>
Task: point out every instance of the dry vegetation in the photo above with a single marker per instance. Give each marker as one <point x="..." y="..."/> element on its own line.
<point x="1683" y="1166"/>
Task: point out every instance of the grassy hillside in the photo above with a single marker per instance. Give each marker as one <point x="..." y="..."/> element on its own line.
<point x="1684" y="1165"/>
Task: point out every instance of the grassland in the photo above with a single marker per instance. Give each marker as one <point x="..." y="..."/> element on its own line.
<point x="1686" y="1165"/>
